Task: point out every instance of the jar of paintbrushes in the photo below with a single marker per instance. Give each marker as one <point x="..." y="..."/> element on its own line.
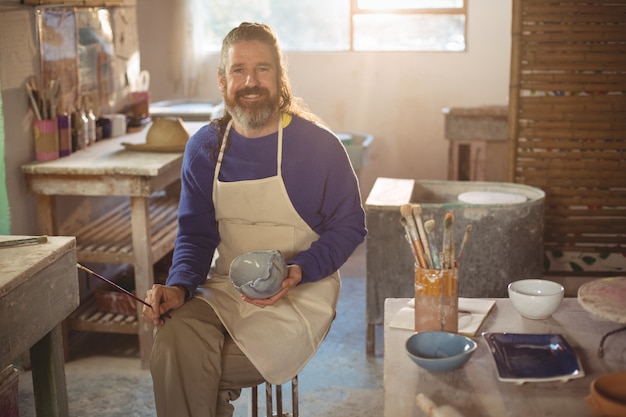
<point x="436" y="271"/>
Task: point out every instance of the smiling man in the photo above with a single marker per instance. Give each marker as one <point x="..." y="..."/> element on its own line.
<point x="267" y="175"/>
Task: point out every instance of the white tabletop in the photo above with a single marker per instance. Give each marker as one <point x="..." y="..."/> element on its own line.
<point x="475" y="389"/>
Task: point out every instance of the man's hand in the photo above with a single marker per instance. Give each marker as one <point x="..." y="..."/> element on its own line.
<point x="294" y="276"/>
<point x="162" y="298"/>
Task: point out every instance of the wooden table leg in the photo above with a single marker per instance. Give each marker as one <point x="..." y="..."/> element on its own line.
<point x="46" y="214"/>
<point x="144" y="272"/>
<point x="49" y="375"/>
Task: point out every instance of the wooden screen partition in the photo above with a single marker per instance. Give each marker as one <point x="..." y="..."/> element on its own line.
<point x="567" y="127"/>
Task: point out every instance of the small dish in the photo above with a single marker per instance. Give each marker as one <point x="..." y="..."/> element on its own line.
<point x="607" y="395"/>
<point x="533" y="357"/>
<point x="491" y="197"/>
<point x="438" y="351"/>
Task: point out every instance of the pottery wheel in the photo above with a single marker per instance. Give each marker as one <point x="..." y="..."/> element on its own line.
<point x="605" y="298"/>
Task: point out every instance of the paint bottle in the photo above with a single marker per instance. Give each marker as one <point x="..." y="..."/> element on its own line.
<point x="91" y="127"/>
<point x="65" y="134"/>
<point x="79" y="124"/>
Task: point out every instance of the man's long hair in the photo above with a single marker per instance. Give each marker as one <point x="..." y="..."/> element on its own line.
<point x="287" y="103"/>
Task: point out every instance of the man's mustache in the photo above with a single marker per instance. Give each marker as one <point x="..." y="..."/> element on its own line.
<point x="253" y="91"/>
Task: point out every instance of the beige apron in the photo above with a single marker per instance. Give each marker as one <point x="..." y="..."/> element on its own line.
<point x="258" y="215"/>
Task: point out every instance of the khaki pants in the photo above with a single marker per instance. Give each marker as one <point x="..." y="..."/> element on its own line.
<point x="196" y="367"/>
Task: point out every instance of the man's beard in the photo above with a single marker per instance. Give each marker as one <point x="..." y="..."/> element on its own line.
<point x="255" y="115"/>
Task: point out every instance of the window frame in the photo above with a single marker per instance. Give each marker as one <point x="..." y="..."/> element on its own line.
<point x="356" y="10"/>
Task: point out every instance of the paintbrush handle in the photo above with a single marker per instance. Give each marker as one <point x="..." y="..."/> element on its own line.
<point x="433" y="253"/>
<point x="114" y="285"/>
<point x="111" y="283"/>
<point x="411" y="237"/>
<point x="415" y="240"/>
<point x="25" y="241"/>
<point x="448" y="247"/>
<point x="468" y="228"/>
<point x="417" y="218"/>
<point x="420" y="253"/>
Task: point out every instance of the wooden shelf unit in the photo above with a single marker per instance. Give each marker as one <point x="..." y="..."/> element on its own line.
<point x="89" y="318"/>
<point x="108" y="239"/>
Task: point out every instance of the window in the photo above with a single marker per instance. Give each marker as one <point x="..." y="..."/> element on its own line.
<point x="408" y="25"/>
<point x="336" y="25"/>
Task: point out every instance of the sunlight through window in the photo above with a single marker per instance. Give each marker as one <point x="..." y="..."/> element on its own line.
<point x="336" y="25"/>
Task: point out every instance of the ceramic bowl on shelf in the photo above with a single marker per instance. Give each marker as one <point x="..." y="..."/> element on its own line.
<point x="438" y="351"/>
<point x="258" y="274"/>
<point x="535" y="299"/>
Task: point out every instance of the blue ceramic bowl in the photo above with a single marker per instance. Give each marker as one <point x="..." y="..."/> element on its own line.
<point x="440" y="351"/>
<point x="258" y="274"/>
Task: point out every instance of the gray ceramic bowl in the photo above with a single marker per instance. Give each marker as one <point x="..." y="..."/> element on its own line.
<point x="440" y="351"/>
<point x="258" y="274"/>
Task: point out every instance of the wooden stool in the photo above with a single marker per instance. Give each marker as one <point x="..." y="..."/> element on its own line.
<point x="269" y="403"/>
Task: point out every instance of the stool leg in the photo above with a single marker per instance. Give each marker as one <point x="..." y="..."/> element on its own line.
<point x="279" y="400"/>
<point x="254" y="402"/>
<point x="269" y="403"/>
<point x="294" y="395"/>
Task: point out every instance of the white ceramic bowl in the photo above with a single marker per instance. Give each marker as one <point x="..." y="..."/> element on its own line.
<point x="438" y="351"/>
<point x="535" y="299"/>
<point x="258" y="274"/>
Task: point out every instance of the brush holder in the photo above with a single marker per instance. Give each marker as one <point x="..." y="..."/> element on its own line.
<point x="436" y="299"/>
<point x="46" y="135"/>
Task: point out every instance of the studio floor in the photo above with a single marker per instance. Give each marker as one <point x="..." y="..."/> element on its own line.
<point x="104" y="378"/>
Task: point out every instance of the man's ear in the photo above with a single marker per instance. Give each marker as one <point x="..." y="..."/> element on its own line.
<point x="220" y="83"/>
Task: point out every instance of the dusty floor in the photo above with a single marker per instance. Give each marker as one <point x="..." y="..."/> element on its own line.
<point x="104" y="378"/>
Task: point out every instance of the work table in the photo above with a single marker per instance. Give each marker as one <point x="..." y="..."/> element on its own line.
<point x="38" y="290"/>
<point x="475" y="389"/>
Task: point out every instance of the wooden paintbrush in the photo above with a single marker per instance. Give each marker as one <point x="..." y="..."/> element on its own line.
<point x="448" y="243"/>
<point x="117" y="287"/>
<point x="24" y="241"/>
<point x="407" y="235"/>
<point x="429" y="227"/>
<point x="407" y="213"/>
<point x="468" y="228"/>
<point x="417" y="217"/>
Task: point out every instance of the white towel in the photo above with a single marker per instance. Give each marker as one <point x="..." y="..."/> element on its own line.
<point x="469" y="323"/>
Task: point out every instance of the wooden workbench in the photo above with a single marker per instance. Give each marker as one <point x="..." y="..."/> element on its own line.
<point x="475" y="390"/>
<point x="38" y="290"/>
<point x="139" y="232"/>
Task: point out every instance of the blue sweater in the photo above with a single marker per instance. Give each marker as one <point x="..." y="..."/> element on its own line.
<point x="319" y="180"/>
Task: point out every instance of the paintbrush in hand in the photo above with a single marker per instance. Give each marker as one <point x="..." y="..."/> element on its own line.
<point x="117" y="287"/>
